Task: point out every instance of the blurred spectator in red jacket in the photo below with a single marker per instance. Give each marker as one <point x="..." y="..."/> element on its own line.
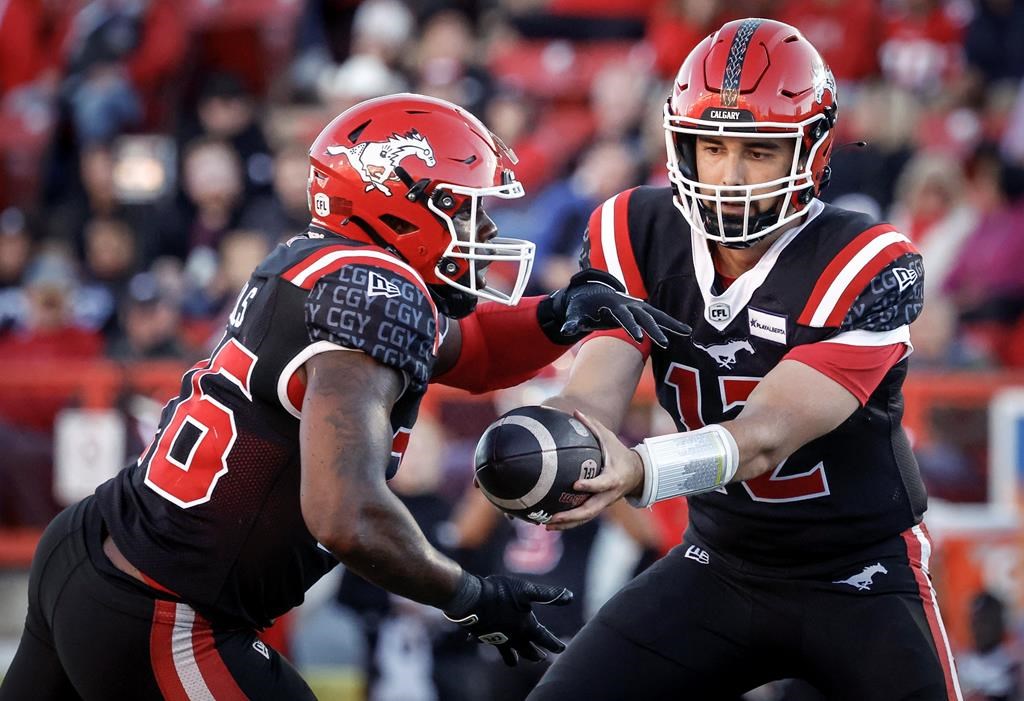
<point x="676" y="26"/>
<point x="847" y="33"/>
<point x="921" y="47"/>
<point x="22" y="44"/>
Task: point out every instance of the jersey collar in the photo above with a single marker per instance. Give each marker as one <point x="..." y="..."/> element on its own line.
<point x="739" y="293"/>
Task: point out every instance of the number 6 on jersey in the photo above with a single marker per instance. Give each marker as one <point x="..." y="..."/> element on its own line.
<point x="191" y="453"/>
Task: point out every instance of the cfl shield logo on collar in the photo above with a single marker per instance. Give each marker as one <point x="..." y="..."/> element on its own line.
<point x="719" y="311"/>
<point x="260" y="647"/>
<point x="375" y="161"/>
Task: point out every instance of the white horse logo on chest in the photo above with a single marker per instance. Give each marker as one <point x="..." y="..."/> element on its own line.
<point x="725" y="353"/>
<point x="376" y="161"/>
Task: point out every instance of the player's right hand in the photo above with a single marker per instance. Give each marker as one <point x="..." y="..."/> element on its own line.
<point x="502" y="616"/>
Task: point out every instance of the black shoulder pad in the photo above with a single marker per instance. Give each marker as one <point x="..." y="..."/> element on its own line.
<point x="377" y="310"/>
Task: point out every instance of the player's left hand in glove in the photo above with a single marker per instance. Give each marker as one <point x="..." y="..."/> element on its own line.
<point x="594" y="300"/>
<point x="498" y="610"/>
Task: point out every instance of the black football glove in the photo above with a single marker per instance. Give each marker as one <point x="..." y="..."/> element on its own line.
<point x="594" y="300"/>
<point x="501" y="615"/>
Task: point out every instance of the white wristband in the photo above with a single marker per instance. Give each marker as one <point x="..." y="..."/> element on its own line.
<point x="686" y="463"/>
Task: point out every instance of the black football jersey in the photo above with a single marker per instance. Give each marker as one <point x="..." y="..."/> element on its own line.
<point x="838" y="277"/>
<point x="211" y="509"/>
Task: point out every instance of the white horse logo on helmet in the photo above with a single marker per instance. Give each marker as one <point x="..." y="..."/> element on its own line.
<point x="376" y="160"/>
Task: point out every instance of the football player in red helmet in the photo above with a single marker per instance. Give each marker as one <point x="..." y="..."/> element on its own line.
<point x="776" y="91"/>
<point x="271" y="465"/>
<point x="408" y="174"/>
<point x="805" y="539"/>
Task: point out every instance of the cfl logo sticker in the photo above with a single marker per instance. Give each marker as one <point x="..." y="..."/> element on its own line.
<point x="321" y="204"/>
<point x="719" y="312"/>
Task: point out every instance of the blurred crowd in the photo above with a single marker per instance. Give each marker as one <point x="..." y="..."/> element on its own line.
<point x="153" y="151"/>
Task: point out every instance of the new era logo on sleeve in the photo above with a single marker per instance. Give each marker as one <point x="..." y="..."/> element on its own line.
<point x="697" y="554"/>
<point x="905" y="277"/>
<point x="377" y="285"/>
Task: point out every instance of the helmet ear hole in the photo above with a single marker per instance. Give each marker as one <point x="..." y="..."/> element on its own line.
<point x="398" y="225"/>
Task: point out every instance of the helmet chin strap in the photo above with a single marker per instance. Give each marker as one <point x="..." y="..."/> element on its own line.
<point x="453" y="302"/>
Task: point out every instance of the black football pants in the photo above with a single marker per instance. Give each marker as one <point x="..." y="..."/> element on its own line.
<point x="697" y="626"/>
<point x="95" y="634"/>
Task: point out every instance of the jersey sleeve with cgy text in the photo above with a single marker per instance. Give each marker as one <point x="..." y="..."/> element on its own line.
<point x="893" y="298"/>
<point x="378" y="311"/>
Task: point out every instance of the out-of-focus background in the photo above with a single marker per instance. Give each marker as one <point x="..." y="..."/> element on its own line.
<point x="153" y="151"/>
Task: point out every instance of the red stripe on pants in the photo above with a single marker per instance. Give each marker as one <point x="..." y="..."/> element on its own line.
<point x="931" y="609"/>
<point x="161" y="651"/>
<point x="215" y="673"/>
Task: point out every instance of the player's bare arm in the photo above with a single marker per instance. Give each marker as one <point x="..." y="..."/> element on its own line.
<point x="604" y="377"/>
<point x="792" y="406"/>
<point x="346" y="503"/>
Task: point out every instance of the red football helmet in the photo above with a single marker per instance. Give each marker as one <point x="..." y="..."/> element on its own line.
<point x="395" y="170"/>
<point x="753" y="78"/>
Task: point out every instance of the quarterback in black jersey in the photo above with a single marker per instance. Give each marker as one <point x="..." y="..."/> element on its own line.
<point x="270" y="466"/>
<point x="806" y="556"/>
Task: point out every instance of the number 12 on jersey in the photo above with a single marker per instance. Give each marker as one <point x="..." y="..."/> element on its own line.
<point x="191" y="451"/>
<point x="734" y="391"/>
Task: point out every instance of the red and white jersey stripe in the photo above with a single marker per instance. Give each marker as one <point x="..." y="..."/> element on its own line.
<point x="850" y="272"/>
<point x="610" y="246"/>
<point x="331" y="258"/>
